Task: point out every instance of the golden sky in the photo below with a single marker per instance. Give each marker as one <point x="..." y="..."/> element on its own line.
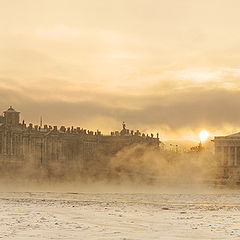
<point x="171" y="67"/>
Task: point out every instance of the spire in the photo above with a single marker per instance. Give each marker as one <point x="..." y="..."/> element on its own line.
<point x="41" y="122"/>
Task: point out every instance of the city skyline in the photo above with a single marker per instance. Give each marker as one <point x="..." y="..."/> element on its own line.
<point x="119" y="119"/>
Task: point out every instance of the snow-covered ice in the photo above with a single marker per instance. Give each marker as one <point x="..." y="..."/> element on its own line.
<point x="37" y="215"/>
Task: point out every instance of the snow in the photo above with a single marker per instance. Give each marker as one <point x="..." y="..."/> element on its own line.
<point x="49" y="215"/>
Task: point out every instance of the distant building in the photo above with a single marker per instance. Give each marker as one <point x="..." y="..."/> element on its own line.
<point x="227" y="151"/>
<point x="20" y="142"/>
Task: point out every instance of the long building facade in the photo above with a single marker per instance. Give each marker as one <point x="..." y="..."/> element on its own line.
<point x="20" y="142"/>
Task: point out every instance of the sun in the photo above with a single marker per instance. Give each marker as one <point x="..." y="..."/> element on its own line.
<point x="204" y="135"/>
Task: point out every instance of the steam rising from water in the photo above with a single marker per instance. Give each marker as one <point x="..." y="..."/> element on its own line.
<point x="135" y="168"/>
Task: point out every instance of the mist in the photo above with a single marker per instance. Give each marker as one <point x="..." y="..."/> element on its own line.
<point x="135" y="168"/>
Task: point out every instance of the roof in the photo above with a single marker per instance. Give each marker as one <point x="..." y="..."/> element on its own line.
<point x="10" y="109"/>
<point x="235" y="135"/>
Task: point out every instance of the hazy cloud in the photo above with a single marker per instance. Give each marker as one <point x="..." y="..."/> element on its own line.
<point x="159" y="65"/>
<point x="188" y="109"/>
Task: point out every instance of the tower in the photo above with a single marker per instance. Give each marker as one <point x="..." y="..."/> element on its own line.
<point x="11" y="117"/>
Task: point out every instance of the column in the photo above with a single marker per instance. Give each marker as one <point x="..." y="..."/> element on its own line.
<point x="229" y="156"/>
<point x="235" y="157"/>
<point x="222" y="156"/>
<point x="5" y="143"/>
<point x="11" y="144"/>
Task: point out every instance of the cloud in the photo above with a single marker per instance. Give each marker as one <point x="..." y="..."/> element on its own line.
<point x="197" y="75"/>
<point x="189" y="109"/>
<point x="102" y="36"/>
<point x="156" y="66"/>
<point x="59" y="31"/>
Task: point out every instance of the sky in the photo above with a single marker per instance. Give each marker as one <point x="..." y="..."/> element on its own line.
<point x="171" y="67"/>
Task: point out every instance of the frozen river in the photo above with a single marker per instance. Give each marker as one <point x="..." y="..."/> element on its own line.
<point x="37" y="215"/>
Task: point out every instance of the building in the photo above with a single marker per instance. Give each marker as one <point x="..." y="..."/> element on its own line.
<point x="227" y="151"/>
<point x="20" y="142"/>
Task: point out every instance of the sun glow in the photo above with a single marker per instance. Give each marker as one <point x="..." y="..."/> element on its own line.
<point x="204" y="135"/>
